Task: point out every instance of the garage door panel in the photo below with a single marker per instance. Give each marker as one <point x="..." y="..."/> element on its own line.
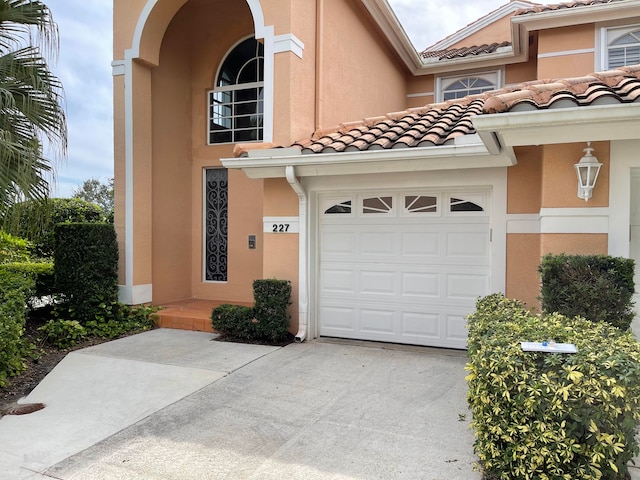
<point x="418" y="284"/>
<point x="376" y="243"/>
<point x="421" y="244"/>
<point x="378" y="282"/>
<point x="467" y="247"/>
<point x="456" y="330"/>
<point x="422" y="325"/>
<point x="377" y="321"/>
<point x="338" y="281"/>
<point x="466" y="286"/>
<point x="339" y="243"/>
<point x="340" y="320"/>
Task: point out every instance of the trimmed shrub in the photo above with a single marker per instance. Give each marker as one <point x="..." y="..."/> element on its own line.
<point x="15" y="289"/>
<point x="13" y="249"/>
<point x="272" y="297"/>
<point x="40" y="272"/>
<point x="85" y="267"/>
<point x="595" y="287"/>
<point x="268" y="319"/>
<point x="234" y="321"/>
<point x="549" y="415"/>
<point x="36" y="220"/>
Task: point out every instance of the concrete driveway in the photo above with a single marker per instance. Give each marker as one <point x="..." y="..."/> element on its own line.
<point x="170" y="404"/>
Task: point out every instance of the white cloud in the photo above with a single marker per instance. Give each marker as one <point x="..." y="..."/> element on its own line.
<point x="84" y="66"/>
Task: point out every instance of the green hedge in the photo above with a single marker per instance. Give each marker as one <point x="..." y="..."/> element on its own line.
<point x="548" y="415"/>
<point x="86" y="269"/>
<point x="234" y="321"/>
<point x="266" y="321"/>
<point x="595" y="287"/>
<point x="36" y="220"/>
<point x="15" y="289"/>
<point x="41" y="272"/>
<point x="13" y="249"/>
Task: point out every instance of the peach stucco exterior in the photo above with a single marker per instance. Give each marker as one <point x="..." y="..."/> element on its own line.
<point x="326" y="62"/>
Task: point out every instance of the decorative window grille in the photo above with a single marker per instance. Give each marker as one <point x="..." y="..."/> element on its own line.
<point x="467" y="86"/>
<point x="421" y="204"/>
<point x="236" y="105"/>
<point x="377" y="205"/>
<point x="216" y="224"/>
<point x="450" y="88"/>
<point x="624" y="50"/>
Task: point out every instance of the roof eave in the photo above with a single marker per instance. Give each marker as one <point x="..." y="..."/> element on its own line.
<point x="273" y="163"/>
<point x="383" y="15"/>
<point x="480" y="61"/>
<point x="577" y="15"/>
<point x="562" y="125"/>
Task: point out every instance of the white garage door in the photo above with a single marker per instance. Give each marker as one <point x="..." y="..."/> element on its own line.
<point x="402" y="267"/>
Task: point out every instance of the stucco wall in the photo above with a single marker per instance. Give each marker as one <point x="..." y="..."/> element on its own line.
<point x="562" y="51"/>
<point x="559" y="180"/>
<point x="361" y="76"/>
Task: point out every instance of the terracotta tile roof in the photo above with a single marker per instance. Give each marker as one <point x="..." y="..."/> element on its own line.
<point x="610" y="87"/>
<point x="562" y="6"/>
<point x="464" y="51"/>
<point x="439" y="124"/>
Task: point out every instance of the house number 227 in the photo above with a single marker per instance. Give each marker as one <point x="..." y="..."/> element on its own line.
<point x="280" y="227"/>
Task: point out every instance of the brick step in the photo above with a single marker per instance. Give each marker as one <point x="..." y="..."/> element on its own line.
<point x="192" y="314"/>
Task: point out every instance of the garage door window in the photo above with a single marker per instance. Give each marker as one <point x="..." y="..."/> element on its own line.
<point x="340" y="208"/>
<point x="377" y="205"/>
<point x="466" y="205"/>
<point x="420" y="204"/>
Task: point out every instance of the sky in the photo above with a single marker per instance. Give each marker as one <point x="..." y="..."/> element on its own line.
<point x="84" y="67"/>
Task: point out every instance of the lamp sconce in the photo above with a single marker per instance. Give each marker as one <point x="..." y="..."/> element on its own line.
<point x="587" y="170"/>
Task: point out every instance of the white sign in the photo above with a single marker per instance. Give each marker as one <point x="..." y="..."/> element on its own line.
<point x="549" y="347"/>
<point x="281" y="224"/>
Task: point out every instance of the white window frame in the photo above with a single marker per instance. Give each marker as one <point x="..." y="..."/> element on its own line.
<point x="231" y="89"/>
<point x="442" y="83"/>
<point x="607" y="35"/>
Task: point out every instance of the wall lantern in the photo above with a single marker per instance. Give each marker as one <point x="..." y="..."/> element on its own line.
<point x="587" y="170"/>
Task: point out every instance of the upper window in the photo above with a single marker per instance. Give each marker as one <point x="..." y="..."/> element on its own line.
<point x="623" y="47"/>
<point x="451" y="88"/>
<point x="236" y="103"/>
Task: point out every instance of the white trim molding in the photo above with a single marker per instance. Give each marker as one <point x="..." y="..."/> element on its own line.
<point x="523" y="223"/>
<point x="288" y="42"/>
<point x="624" y="161"/>
<point x="566" y="53"/>
<point x="423" y="94"/>
<point x="118" y="67"/>
<point x="135" y="294"/>
<point x="574" y="220"/>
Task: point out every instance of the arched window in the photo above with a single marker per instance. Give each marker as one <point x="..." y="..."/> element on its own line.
<point x="467" y="86"/>
<point x="236" y="104"/>
<point x="624" y="50"/>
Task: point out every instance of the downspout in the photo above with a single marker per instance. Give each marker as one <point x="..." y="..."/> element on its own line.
<point x="303" y="285"/>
